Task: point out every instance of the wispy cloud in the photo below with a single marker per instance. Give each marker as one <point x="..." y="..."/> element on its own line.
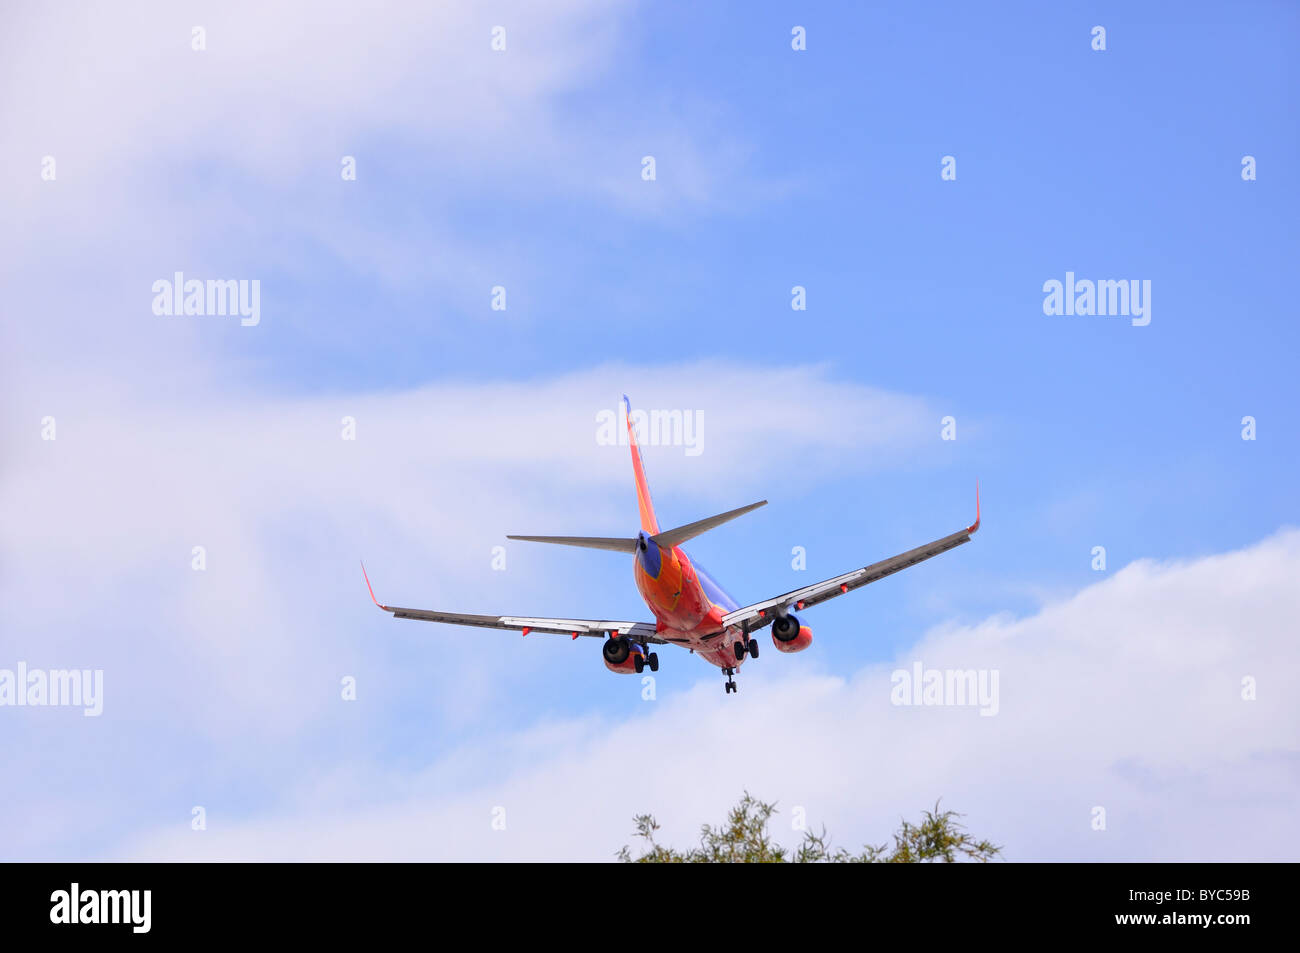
<point x="1128" y="697"/>
<point x="100" y="548"/>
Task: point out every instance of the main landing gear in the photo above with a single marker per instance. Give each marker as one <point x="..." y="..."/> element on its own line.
<point x="650" y="661"/>
<point x="747" y="646"/>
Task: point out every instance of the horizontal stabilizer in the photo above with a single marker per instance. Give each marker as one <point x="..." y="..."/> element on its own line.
<point x="614" y="543"/>
<point x="675" y="537"/>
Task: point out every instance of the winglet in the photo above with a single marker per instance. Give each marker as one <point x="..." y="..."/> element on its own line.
<point x="975" y="525"/>
<point x="372" y="591"/>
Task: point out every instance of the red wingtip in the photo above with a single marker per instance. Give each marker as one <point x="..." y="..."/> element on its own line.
<point x="372" y="591"/>
<point x="975" y="525"/>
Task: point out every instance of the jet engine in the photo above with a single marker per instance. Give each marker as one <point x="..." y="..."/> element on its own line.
<point x="789" y="636"/>
<point x="628" y="658"/>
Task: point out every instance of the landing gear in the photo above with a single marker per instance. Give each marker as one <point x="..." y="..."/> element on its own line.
<point x="730" y="685"/>
<point x="653" y="661"/>
<point x="641" y="663"/>
<point x="749" y="647"/>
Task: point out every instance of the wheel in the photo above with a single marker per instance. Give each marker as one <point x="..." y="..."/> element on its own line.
<point x="653" y="660"/>
<point x="731" y="687"/>
<point x="739" y="648"/>
<point x="753" y="648"/>
<point x="638" y="663"/>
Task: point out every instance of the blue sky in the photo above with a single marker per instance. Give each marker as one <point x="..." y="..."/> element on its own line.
<point x="775" y="168"/>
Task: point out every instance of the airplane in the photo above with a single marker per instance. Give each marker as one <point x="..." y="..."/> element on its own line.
<point x="690" y="609"/>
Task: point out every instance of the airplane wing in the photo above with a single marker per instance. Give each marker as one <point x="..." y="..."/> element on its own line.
<point x="599" y="628"/>
<point x="761" y="614"/>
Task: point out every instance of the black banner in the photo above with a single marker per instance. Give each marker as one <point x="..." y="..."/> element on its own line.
<point x="1220" y="902"/>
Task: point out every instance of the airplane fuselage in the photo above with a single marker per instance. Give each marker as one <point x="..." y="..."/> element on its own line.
<point x="687" y="604"/>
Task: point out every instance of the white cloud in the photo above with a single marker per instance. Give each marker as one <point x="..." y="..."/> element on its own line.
<point x="1126" y="696"/>
<point x="276" y="83"/>
<point x="145" y="129"/>
<point x="97" y="550"/>
<point x="225" y="163"/>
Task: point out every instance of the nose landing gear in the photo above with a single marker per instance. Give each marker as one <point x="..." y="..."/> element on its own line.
<point x="730" y="685"/>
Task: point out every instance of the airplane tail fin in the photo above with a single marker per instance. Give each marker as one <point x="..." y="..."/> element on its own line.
<point x="649" y="523"/>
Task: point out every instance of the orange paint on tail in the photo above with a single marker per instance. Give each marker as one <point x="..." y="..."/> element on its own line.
<point x="649" y="523"/>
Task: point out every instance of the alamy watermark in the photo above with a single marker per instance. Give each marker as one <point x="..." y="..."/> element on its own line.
<point x="77" y="905"/>
<point x="655" y="428"/>
<point x="945" y="687"/>
<point x="214" y="297"/>
<point x="1123" y="298"/>
<point x="56" y="688"/>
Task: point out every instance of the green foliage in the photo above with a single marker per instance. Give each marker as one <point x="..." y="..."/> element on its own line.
<point x="744" y="839"/>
